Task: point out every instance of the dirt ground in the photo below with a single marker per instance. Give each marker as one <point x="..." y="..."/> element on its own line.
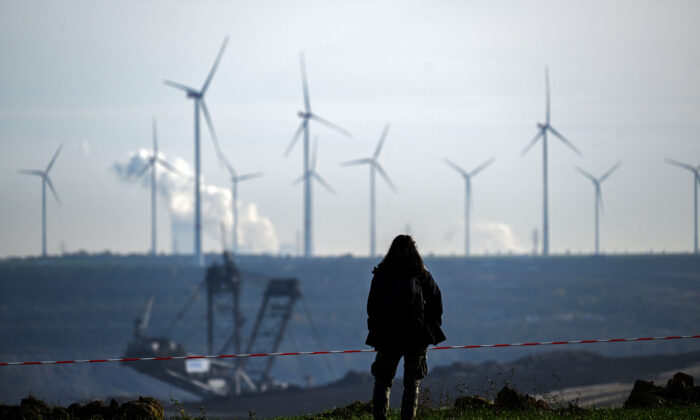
<point x="611" y="394"/>
<point x="617" y="376"/>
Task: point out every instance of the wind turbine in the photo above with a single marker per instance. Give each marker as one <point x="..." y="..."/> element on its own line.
<point x="235" y="179"/>
<point x="152" y="163"/>
<point x="696" y="179"/>
<point x="198" y="97"/>
<point x="543" y="128"/>
<point x="45" y="180"/>
<point x="468" y="195"/>
<point x="373" y="166"/>
<point x="598" y="197"/>
<point x="305" y="116"/>
<point x="312" y="174"/>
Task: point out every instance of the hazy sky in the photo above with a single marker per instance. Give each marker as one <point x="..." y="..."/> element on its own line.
<point x="458" y="79"/>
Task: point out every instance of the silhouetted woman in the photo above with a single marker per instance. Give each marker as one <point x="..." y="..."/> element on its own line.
<point x="404" y="311"/>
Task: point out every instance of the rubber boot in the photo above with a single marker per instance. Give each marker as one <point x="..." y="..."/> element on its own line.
<point x="380" y="401"/>
<point x="409" y="400"/>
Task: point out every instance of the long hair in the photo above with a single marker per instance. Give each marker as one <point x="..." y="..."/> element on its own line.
<point x="403" y="257"/>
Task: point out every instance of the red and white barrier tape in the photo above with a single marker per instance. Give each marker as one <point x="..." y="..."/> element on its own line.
<point x="303" y="353"/>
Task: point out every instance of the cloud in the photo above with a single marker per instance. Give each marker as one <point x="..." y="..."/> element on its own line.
<point x="256" y="233"/>
<point x="85" y="146"/>
<point x="495" y="236"/>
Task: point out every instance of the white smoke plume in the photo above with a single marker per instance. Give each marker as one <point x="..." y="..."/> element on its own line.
<point x="256" y="233"/>
<point x="495" y="237"/>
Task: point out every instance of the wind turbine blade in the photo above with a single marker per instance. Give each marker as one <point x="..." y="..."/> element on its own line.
<point x="210" y="124"/>
<point x="329" y="124"/>
<point x="482" y="167"/>
<point x="456" y="167"/>
<point x="213" y="68"/>
<point x="226" y="163"/>
<point x="246" y="177"/>
<point x="564" y="140"/>
<point x="143" y="170"/>
<point x="295" y="138"/>
<point x="179" y="86"/>
<point x="321" y="181"/>
<point x="381" y="141"/>
<point x="610" y="171"/>
<point x="546" y="83"/>
<point x="30" y="172"/>
<point x="170" y="167"/>
<point x="600" y="199"/>
<point x="53" y="159"/>
<point x="385" y="176"/>
<point x="357" y="162"/>
<point x="50" y="184"/>
<point x="223" y="160"/>
<point x="155" y="139"/>
<point x="680" y="164"/>
<point x="587" y="175"/>
<point x="298" y="180"/>
<point x="304" y="84"/>
<point x="532" y="143"/>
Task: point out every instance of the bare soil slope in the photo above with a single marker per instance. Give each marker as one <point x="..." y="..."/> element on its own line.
<point x="560" y="376"/>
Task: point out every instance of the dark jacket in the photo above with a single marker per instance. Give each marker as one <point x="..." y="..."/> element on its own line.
<point x="390" y="330"/>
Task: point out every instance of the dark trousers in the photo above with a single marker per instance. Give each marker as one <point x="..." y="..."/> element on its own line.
<point x="384" y="369"/>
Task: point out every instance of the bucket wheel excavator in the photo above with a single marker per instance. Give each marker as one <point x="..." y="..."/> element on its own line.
<point x="221" y="377"/>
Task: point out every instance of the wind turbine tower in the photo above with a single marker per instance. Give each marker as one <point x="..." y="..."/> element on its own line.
<point x="468" y="196"/>
<point x="198" y="97"/>
<point x="152" y="163"/>
<point x="235" y="179"/>
<point x="374" y="165"/>
<point x="305" y="116"/>
<point x="45" y="180"/>
<point x="309" y="176"/>
<point x="543" y="128"/>
<point x="696" y="179"/>
<point x="598" y="198"/>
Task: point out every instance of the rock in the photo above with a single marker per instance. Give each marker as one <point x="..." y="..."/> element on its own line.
<point x="30" y="407"/>
<point x="60" y="413"/>
<point x="645" y="394"/>
<point x="471" y="402"/>
<point x="507" y="398"/>
<point x="145" y="408"/>
<point x="9" y="412"/>
<point x="112" y="410"/>
<point x="679" y="389"/>
<point x="73" y="409"/>
<point x="94" y="409"/>
<point x="687" y="379"/>
<point x="644" y="401"/>
<point x="510" y="399"/>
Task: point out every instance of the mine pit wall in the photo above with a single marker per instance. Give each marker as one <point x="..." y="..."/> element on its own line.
<point x="85" y="306"/>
